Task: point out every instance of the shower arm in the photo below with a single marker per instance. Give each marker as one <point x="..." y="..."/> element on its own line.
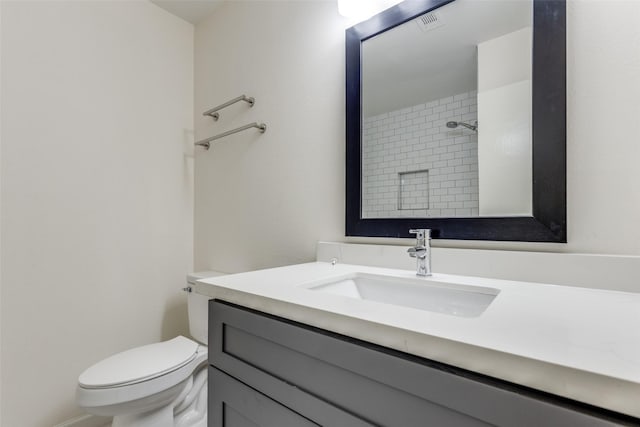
<point x="454" y="124"/>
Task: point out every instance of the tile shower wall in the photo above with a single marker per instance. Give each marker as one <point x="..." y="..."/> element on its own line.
<point x="415" y="166"/>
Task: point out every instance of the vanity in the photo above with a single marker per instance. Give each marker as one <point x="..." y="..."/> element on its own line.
<point x="323" y="344"/>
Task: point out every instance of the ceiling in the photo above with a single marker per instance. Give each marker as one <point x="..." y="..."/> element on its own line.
<point x="195" y="11"/>
<point x="190" y="10"/>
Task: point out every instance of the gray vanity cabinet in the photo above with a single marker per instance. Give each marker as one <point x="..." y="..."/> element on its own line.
<point x="271" y="372"/>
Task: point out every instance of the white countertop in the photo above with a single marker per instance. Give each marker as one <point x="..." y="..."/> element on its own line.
<point x="580" y="343"/>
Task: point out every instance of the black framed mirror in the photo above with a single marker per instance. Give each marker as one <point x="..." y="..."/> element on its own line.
<point x="473" y="118"/>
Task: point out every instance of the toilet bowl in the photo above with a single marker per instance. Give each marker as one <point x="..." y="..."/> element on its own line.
<point x="161" y="385"/>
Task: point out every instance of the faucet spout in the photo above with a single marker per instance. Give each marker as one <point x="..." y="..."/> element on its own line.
<point x="422" y="251"/>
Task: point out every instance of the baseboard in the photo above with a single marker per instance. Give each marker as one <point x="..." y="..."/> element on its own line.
<point x="86" y="421"/>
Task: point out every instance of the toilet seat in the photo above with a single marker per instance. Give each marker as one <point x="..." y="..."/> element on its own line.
<point x="140" y="364"/>
<point x="167" y="365"/>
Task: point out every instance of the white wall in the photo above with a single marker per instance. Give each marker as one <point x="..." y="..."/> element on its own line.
<point x="96" y="192"/>
<point x="264" y="201"/>
<point x="603" y="87"/>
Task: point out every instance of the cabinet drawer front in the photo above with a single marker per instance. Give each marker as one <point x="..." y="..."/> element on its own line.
<point x="231" y="401"/>
<point x="233" y="404"/>
<point x="379" y="385"/>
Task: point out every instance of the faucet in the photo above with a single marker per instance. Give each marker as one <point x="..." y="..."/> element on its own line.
<point x="422" y="251"/>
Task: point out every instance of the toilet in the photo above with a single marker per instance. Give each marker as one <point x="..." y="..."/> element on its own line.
<point x="162" y="384"/>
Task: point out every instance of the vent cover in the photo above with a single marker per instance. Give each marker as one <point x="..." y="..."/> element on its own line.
<point x="429" y="21"/>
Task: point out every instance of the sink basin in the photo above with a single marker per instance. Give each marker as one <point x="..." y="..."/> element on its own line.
<point x="421" y="293"/>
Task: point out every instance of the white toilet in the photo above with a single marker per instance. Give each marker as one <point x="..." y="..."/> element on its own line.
<point x="160" y="385"/>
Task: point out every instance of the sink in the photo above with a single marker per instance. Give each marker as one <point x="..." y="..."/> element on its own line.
<point x="420" y="293"/>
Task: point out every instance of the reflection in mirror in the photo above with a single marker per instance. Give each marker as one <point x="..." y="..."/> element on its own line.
<point x="446" y="113"/>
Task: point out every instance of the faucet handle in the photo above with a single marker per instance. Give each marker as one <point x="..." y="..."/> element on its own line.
<point x="421" y="233"/>
<point x="419" y="252"/>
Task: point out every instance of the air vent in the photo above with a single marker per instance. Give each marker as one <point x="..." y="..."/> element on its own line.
<point x="429" y="21"/>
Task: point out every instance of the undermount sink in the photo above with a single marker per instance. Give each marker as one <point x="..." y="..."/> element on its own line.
<point x="421" y="293"/>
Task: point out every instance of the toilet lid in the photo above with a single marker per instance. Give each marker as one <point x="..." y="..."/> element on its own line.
<point x="140" y="364"/>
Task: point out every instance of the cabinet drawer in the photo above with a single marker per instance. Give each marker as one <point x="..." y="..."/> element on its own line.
<point x="382" y="386"/>
<point x="233" y="404"/>
<point x="274" y="404"/>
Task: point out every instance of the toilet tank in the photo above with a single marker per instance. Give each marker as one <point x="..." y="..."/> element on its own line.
<point x="198" y="307"/>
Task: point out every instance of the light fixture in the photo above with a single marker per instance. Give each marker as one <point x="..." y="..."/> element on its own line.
<point x="363" y="9"/>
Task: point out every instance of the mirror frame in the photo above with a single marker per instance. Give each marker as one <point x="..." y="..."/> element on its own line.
<point x="548" y="222"/>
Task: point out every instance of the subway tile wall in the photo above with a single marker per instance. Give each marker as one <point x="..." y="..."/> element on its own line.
<point x="415" y="166"/>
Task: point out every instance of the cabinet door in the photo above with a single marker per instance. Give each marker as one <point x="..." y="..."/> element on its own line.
<point x="233" y="404"/>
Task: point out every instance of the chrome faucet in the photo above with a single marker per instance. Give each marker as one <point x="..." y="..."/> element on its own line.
<point x="422" y="251"/>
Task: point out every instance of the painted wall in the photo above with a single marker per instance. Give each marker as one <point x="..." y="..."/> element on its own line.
<point x="96" y="192"/>
<point x="265" y="200"/>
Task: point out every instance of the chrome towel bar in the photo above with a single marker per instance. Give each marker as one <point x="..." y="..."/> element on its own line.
<point x="213" y="112"/>
<point x="206" y="143"/>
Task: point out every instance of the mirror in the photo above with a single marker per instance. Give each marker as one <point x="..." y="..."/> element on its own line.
<point x="456" y="120"/>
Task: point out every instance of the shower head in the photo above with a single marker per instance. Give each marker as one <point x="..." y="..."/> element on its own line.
<point x="454" y="125"/>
